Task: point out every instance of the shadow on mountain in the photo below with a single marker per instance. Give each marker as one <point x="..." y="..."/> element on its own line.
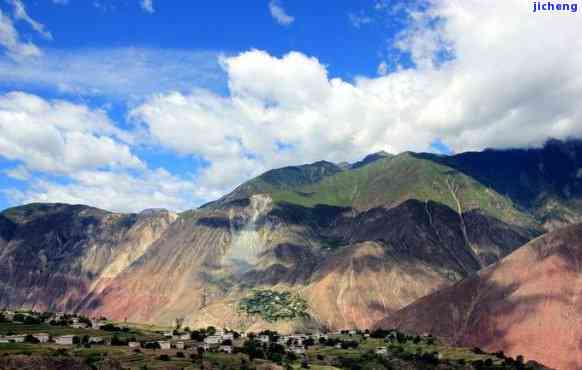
<point x="523" y="174"/>
<point x="526" y="304"/>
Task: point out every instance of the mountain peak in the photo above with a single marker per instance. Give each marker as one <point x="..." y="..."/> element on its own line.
<point x="371" y="158"/>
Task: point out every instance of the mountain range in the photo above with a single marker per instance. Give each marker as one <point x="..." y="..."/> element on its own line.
<point x="392" y="240"/>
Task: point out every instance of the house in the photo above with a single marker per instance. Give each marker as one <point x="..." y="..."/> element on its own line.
<point x="264" y="339"/>
<point x="9" y="315"/>
<point x="16" y="338"/>
<point x="381" y="351"/>
<point x="96" y="340"/>
<point x="164" y="344"/>
<point x="219" y="332"/>
<point x="338" y="346"/>
<point x="213" y="340"/>
<point x="298" y="350"/>
<point x="184" y="336"/>
<point x="180" y="345"/>
<point x="97" y="324"/>
<point x="4" y="340"/>
<point x="228" y="336"/>
<point x="226" y="349"/>
<point x="42" y="337"/>
<point x="79" y="325"/>
<point x="352" y="332"/>
<point x="65" y="340"/>
<point x="133" y="344"/>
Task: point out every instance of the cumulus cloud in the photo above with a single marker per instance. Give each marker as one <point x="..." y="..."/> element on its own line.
<point x="73" y="154"/>
<point x="279" y="14"/>
<point x="148" y="6"/>
<point x="10" y="40"/>
<point x="482" y="79"/>
<point x="60" y="137"/>
<point x="21" y="14"/>
<point x="114" y="190"/>
<point x="117" y="73"/>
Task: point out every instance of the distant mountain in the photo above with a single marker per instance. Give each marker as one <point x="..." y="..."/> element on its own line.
<point x="357" y="242"/>
<point x="528" y="304"/>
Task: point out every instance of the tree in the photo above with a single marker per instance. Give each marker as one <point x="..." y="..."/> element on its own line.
<point x="30" y="339"/>
<point x="164" y="357"/>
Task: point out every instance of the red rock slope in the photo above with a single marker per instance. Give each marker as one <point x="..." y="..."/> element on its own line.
<point x="530" y="303"/>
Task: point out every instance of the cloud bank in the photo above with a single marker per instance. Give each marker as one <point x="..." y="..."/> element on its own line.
<point x="510" y="83"/>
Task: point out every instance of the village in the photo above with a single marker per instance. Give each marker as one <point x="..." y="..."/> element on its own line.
<point x="209" y="339"/>
<point x="140" y="347"/>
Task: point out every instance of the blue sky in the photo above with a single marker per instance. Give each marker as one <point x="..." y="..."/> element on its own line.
<point x="133" y="104"/>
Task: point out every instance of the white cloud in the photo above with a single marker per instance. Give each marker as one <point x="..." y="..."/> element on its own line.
<point x="279" y="14"/>
<point x="148" y="6"/>
<point x="19" y="173"/>
<point x="114" y="190"/>
<point x="274" y="101"/>
<point x="118" y="73"/>
<point x="382" y="69"/>
<point x="73" y="154"/>
<point x="21" y="14"/>
<point x="60" y="137"/>
<point x="358" y="20"/>
<point x="509" y="84"/>
<point x="61" y="2"/>
<point x="10" y="40"/>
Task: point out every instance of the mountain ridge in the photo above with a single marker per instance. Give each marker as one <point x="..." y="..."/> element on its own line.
<point x="331" y="234"/>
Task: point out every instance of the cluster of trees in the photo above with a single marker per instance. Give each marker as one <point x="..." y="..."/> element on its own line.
<point x="273" y="306"/>
<point x="273" y="351"/>
<point x="113" y="328"/>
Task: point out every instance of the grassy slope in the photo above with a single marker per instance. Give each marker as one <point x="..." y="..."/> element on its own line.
<point x="395" y="179"/>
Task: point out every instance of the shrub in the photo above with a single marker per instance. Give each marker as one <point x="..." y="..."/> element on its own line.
<point x="164" y="358"/>
<point x="180" y="354"/>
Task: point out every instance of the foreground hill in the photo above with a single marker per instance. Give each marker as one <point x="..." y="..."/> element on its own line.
<point x="529" y="304"/>
<point x="355" y="242"/>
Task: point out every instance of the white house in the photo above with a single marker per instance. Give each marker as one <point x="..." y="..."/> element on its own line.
<point x="164" y="344"/>
<point x="180" y="345"/>
<point x="381" y="351"/>
<point x="264" y="339"/>
<point x="96" y="340"/>
<point x="228" y="336"/>
<point x="65" y="340"/>
<point x="299" y="350"/>
<point x="213" y="339"/>
<point x="4" y="340"/>
<point x="16" y="338"/>
<point x="226" y="349"/>
<point x="184" y="336"/>
<point x="9" y="315"/>
<point x="133" y="344"/>
<point x="42" y="337"/>
<point x="79" y="325"/>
